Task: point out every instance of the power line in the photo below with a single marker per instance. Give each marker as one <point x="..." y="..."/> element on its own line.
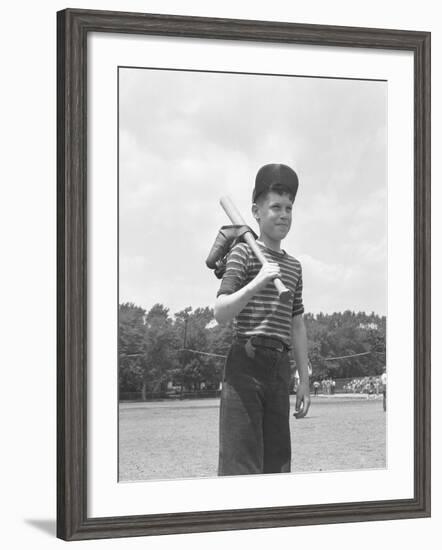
<point x="346" y="356"/>
<point x="202" y="352"/>
<point x="224" y="356"/>
<point x="325" y="358"/>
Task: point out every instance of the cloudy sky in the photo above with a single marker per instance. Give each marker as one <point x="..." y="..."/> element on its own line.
<point x="187" y="138"/>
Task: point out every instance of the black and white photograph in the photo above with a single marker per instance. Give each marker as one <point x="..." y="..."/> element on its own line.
<point x="220" y="372"/>
<point x="243" y="274"/>
<point x="219" y="235"/>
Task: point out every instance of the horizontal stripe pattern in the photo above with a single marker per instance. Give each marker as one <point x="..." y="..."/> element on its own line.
<point x="264" y="314"/>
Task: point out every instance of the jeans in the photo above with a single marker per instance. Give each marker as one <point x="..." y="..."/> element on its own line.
<point x="254" y="434"/>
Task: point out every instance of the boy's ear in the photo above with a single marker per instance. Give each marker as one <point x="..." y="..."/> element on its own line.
<point x="255" y="211"/>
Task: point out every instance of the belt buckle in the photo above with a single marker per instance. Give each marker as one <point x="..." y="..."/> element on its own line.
<point x="278" y="346"/>
<point x="250" y="348"/>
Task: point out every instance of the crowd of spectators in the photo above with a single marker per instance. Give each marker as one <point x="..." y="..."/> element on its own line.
<point x="326" y="386"/>
<point x="371" y="385"/>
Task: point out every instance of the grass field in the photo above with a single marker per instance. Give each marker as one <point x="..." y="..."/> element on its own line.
<point x="179" y="439"/>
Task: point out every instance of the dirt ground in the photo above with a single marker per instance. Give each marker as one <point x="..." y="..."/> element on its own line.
<point x="179" y="439"/>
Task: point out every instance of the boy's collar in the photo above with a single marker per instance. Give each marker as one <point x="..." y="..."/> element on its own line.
<point x="280" y="252"/>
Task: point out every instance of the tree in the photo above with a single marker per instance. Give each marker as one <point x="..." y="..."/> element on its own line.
<point x="198" y="335"/>
<point x="342" y="334"/>
<point x="131" y="330"/>
<point x="160" y="349"/>
<point x="155" y="348"/>
<point x="199" y="368"/>
<point x="219" y="339"/>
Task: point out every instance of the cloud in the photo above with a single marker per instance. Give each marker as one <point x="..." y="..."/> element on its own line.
<point x="188" y="138"/>
<point x="332" y="287"/>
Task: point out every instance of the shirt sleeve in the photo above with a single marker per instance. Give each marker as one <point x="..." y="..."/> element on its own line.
<point x="298" y="306"/>
<point x="236" y="270"/>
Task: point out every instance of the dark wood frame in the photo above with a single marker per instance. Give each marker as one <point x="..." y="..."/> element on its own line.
<point x="73" y="27"/>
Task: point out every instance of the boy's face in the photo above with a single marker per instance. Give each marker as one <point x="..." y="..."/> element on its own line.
<point x="274" y="215"/>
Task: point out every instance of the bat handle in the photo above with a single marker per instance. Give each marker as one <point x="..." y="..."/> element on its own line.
<point x="283" y="292"/>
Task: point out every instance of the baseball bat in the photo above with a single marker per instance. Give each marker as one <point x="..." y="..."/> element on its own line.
<point x="236" y="218"/>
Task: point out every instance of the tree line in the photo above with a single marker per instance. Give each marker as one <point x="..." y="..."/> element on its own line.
<point x="157" y="349"/>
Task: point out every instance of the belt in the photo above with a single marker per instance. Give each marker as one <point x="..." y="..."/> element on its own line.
<point x="267" y="342"/>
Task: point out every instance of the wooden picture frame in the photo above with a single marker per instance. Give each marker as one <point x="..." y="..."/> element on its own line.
<point x="73" y="27"/>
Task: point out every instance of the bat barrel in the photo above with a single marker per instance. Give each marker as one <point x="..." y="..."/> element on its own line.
<point x="231" y="211"/>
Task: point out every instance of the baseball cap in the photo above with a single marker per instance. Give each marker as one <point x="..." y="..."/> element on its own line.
<point x="275" y="174"/>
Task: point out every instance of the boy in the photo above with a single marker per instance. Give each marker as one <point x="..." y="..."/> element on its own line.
<point x="254" y="414"/>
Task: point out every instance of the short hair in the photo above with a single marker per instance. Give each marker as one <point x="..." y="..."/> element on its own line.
<point x="278" y="188"/>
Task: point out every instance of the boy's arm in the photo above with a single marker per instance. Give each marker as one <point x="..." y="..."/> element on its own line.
<point x="227" y="306"/>
<point x="299" y="341"/>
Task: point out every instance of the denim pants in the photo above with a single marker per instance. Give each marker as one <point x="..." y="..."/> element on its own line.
<point x="254" y="433"/>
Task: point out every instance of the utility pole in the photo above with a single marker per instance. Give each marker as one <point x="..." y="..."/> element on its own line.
<point x="186" y="320"/>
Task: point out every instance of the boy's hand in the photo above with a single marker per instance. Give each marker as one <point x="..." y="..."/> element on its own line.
<point x="267" y="273"/>
<point x="302" y="400"/>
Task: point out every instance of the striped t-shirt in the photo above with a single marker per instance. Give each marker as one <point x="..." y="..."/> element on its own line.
<point x="264" y="314"/>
